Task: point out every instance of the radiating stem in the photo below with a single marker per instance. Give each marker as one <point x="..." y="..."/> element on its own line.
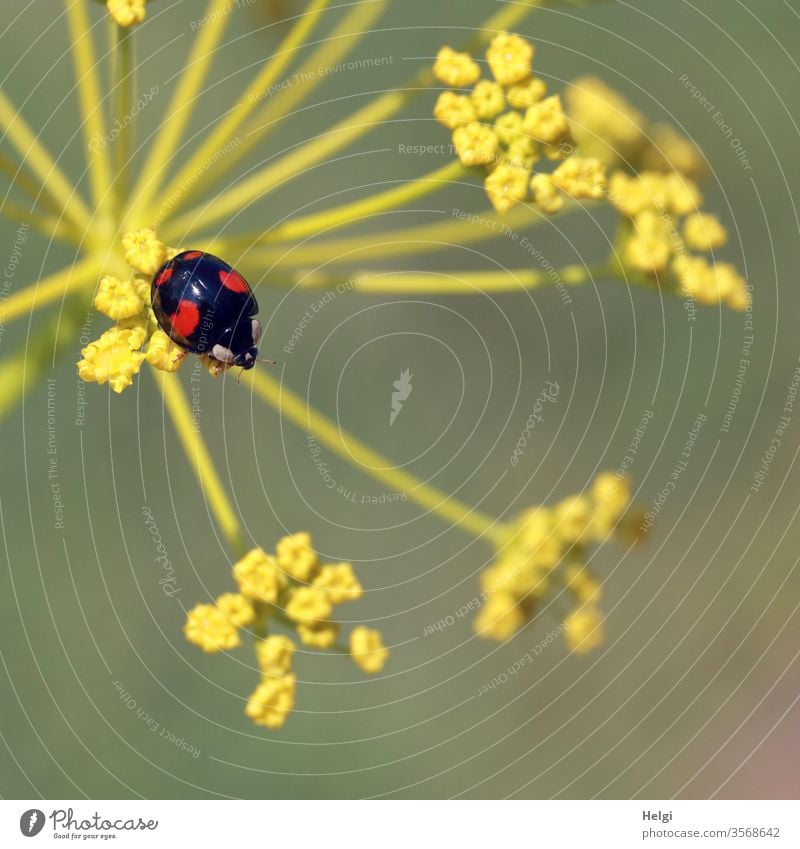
<point x="200" y="459"/>
<point x="124" y="77"/>
<point x="352" y="449"/>
<point x="52" y="226"/>
<point x="457" y="282"/>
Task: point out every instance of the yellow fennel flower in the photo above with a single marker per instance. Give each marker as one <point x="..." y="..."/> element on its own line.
<point x="163" y="353"/>
<point x="546" y="121"/>
<point x="453" y="110"/>
<point x="572" y="517"/>
<point x="584" y="629"/>
<point x="582" y="584"/>
<point x="526" y="94"/>
<point x="237" y="608"/>
<point x="582" y="178"/>
<point x="367" y="649"/>
<point x="112" y="359"/>
<point x="321" y="635"/>
<point x="308" y="605"/>
<point x="506" y="186"/>
<point x="704" y="232"/>
<point x="272" y="701"/>
<point x="500" y="617"/>
<point x="275" y="653"/>
<point x="611" y="497"/>
<point x="510" y="58"/>
<point x="667" y="150"/>
<point x="488" y="99"/>
<point x="296" y="557"/>
<point x="338" y="582"/>
<point x="258" y="576"/>
<point x="475" y="144"/>
<point x="546" y="195"/>
<point x="144" y="251"/>
<point x="455" y="69"/>
<point x="650" y="246"/>
<point x="508" y="127"/>
<point x="211" y="629"/>
<point x="126" y="13"/>
<point x="118" y="299"/>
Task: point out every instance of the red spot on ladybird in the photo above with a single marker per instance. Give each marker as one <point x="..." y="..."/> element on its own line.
<point x="185" y="319"/>
<point x="233" y="281"/>
<point x="192" y="255"/>
<point x="164" y="275"/>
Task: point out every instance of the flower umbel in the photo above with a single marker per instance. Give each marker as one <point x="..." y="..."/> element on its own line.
<point x="268" y="597"/>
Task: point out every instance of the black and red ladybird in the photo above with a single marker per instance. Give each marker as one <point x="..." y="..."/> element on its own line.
<point x="207" y="307"/>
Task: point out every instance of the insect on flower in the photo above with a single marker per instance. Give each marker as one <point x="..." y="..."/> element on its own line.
<point x="206" y="307"/>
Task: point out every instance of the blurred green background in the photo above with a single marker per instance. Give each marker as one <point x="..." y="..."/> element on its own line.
<point x="694" y="693"/>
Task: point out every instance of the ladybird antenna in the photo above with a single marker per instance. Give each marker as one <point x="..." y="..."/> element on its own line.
<point x="271" y="362"/>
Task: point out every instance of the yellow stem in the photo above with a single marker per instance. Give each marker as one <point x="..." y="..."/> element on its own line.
<point x="455" y="282"/>
<point x="353" y="449"/>
<point x="226" y="129"/>
<point x="27" y="184"/>
<point x="200" y="459"/>
<point x="180" y="107"/>
<point x="338" y="43"/>
<point x="51" y="225"/>
<point x="91" y="103"/>
<point x="42" y="163"/>
<point x="350" y="213"/>
<point x="52" y="288"/>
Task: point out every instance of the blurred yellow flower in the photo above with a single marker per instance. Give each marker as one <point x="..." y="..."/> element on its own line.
<point x="510" y="58"/>
<point x="475" y="144"/>
<point x="338" y="582"/>
<point x="367" y="649"/>
<point x="237" y="608"/>
<point x="704" y="232"/>
<point x="455" y="69"/>
<point x="308" y="605"/>
<point x="112" y="359"/>
<point x="210" y="629"/>
<point x="584" y="629"/>
<point x="275" y="653"/>
<point x="272" y="701"/>
<point x="488" y="99"/>
<point x="258" y="576"/>
<point x="296" y="557"/>
<point x="454" y="110"/>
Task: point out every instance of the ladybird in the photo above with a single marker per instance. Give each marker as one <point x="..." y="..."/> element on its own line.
<point x="207" y="307"/>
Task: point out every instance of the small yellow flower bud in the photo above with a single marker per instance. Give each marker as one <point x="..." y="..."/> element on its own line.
<point x="367" y="649"/>
<point x="510" y="58"/>
<point x="500" y="617"/>
<point x="506" y="186"/>
<point x="237" y="608"/>
<point x="275" y="653"/>
<point x="546" y="195"/>
<point x="321" y="635"/>
<point x="163" y="353"/>
<point x="272" y="701"/>
<point x="339" y="583"/>
<point x="112" y="359"/>
<point x="455" y="69"/>
<point x="527" y="94"/>
<point x="143" y="251"/>
<point x="475" y="144"/>
<point x="581" y="178"/>
<point x="126" y="13"/>
<point x="650" y="247"/>
<point x="208" y="627"/>
<point x="704" y="232"/>
<point x="258" y="576"/>
<point x="308" y="606"/>
<point x="488" y="99"/>
<point x="118" y="299"/>
<point x="509" y="127"/>
<point x="584" y="630"/>
<point x="453" y="110"/>
<point x="546" y="121"/>
<point x="296" y="557"/>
